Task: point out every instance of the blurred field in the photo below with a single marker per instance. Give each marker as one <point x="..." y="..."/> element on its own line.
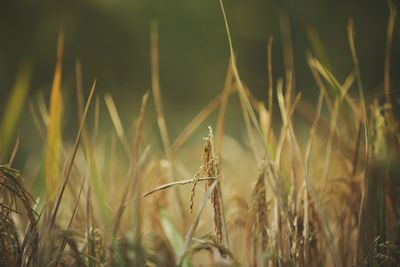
<point x="243" y="180"/>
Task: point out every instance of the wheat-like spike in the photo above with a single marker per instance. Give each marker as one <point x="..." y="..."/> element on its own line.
<point x="205" y="159"/>
<point x="210" y="168"/>
<point x="260" y="206"/>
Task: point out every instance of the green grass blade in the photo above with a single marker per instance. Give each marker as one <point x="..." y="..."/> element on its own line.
<point x="14" y="107"/>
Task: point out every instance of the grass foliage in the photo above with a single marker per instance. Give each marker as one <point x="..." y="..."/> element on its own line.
<point x="277" y="198"/>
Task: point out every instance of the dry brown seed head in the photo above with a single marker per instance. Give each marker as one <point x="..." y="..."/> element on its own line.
<point x="260" y="206"/>
<point x="210" y="168"/>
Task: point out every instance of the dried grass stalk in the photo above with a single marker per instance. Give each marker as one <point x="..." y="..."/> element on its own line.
<point x="260" y="207"/>
<point x="13" y="250"/>
<point x="210" y="168"/>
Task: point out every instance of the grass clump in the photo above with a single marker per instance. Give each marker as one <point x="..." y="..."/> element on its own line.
<point x="278" y="198"/>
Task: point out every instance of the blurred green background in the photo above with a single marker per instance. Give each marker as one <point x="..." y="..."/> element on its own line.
<point x="111" y="39"/>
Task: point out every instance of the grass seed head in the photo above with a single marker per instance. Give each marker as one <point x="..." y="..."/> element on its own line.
<point x="260" y="208"/>
<point x="210" y="168"/>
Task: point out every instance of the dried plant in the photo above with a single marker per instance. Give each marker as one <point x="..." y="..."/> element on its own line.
<point x="210" y="168"/>
<point x="328" y="196"/>
<point x="16" y="250"/>
<point x="259" y="212"/>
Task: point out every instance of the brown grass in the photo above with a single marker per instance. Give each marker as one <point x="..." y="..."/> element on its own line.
<point x="326" y="197"/>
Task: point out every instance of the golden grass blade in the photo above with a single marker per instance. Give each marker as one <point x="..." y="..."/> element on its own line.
<point x="36" y="121"/>
<point x="88" y="143"/>
<point x="363" y="114"/>
<point x="329" y="144"/>
<point x="71" y="161"/>
<point x="14" y="106"/>
<point x="317" y="46"/>
<point x="219" y="129"/>
<point x="357" y="146"/>
<point x="342" y="88"/>
<point x="89" y="227"/>
<point x="180" y="182"/>
<point x="388" y="53"/>
<point x="322" y="126"/>
<point x="78" y="86"/>
<point x="155" y="85"/>
<point x="350" y="35"/>
<point x="53" y="139"/>
<point x="43" y="109"/>
<point x="96" y="120"/>
<point x="270" y="88"/>
<point x="320" y="84"/>
<point x="289" y="89"/>
<point x="112" y="110"/>
<point x="288" y="57"/>
<point x="14" y="152"/>
<point x="293" y="105"/>
<point x="346" y="85"/>
<point x="79" y="94"/>
<point x="248" y="112"/>
<point x="139" y="126"/>
<point x="386" y="70"/>
<point x="64" y="241"/>
<point x="266" y="127"/>
<point x="282" y="103"/>
<point x="114" y="116"/>
<point x="283" y="132"/>
<point x="347" y="112"/>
